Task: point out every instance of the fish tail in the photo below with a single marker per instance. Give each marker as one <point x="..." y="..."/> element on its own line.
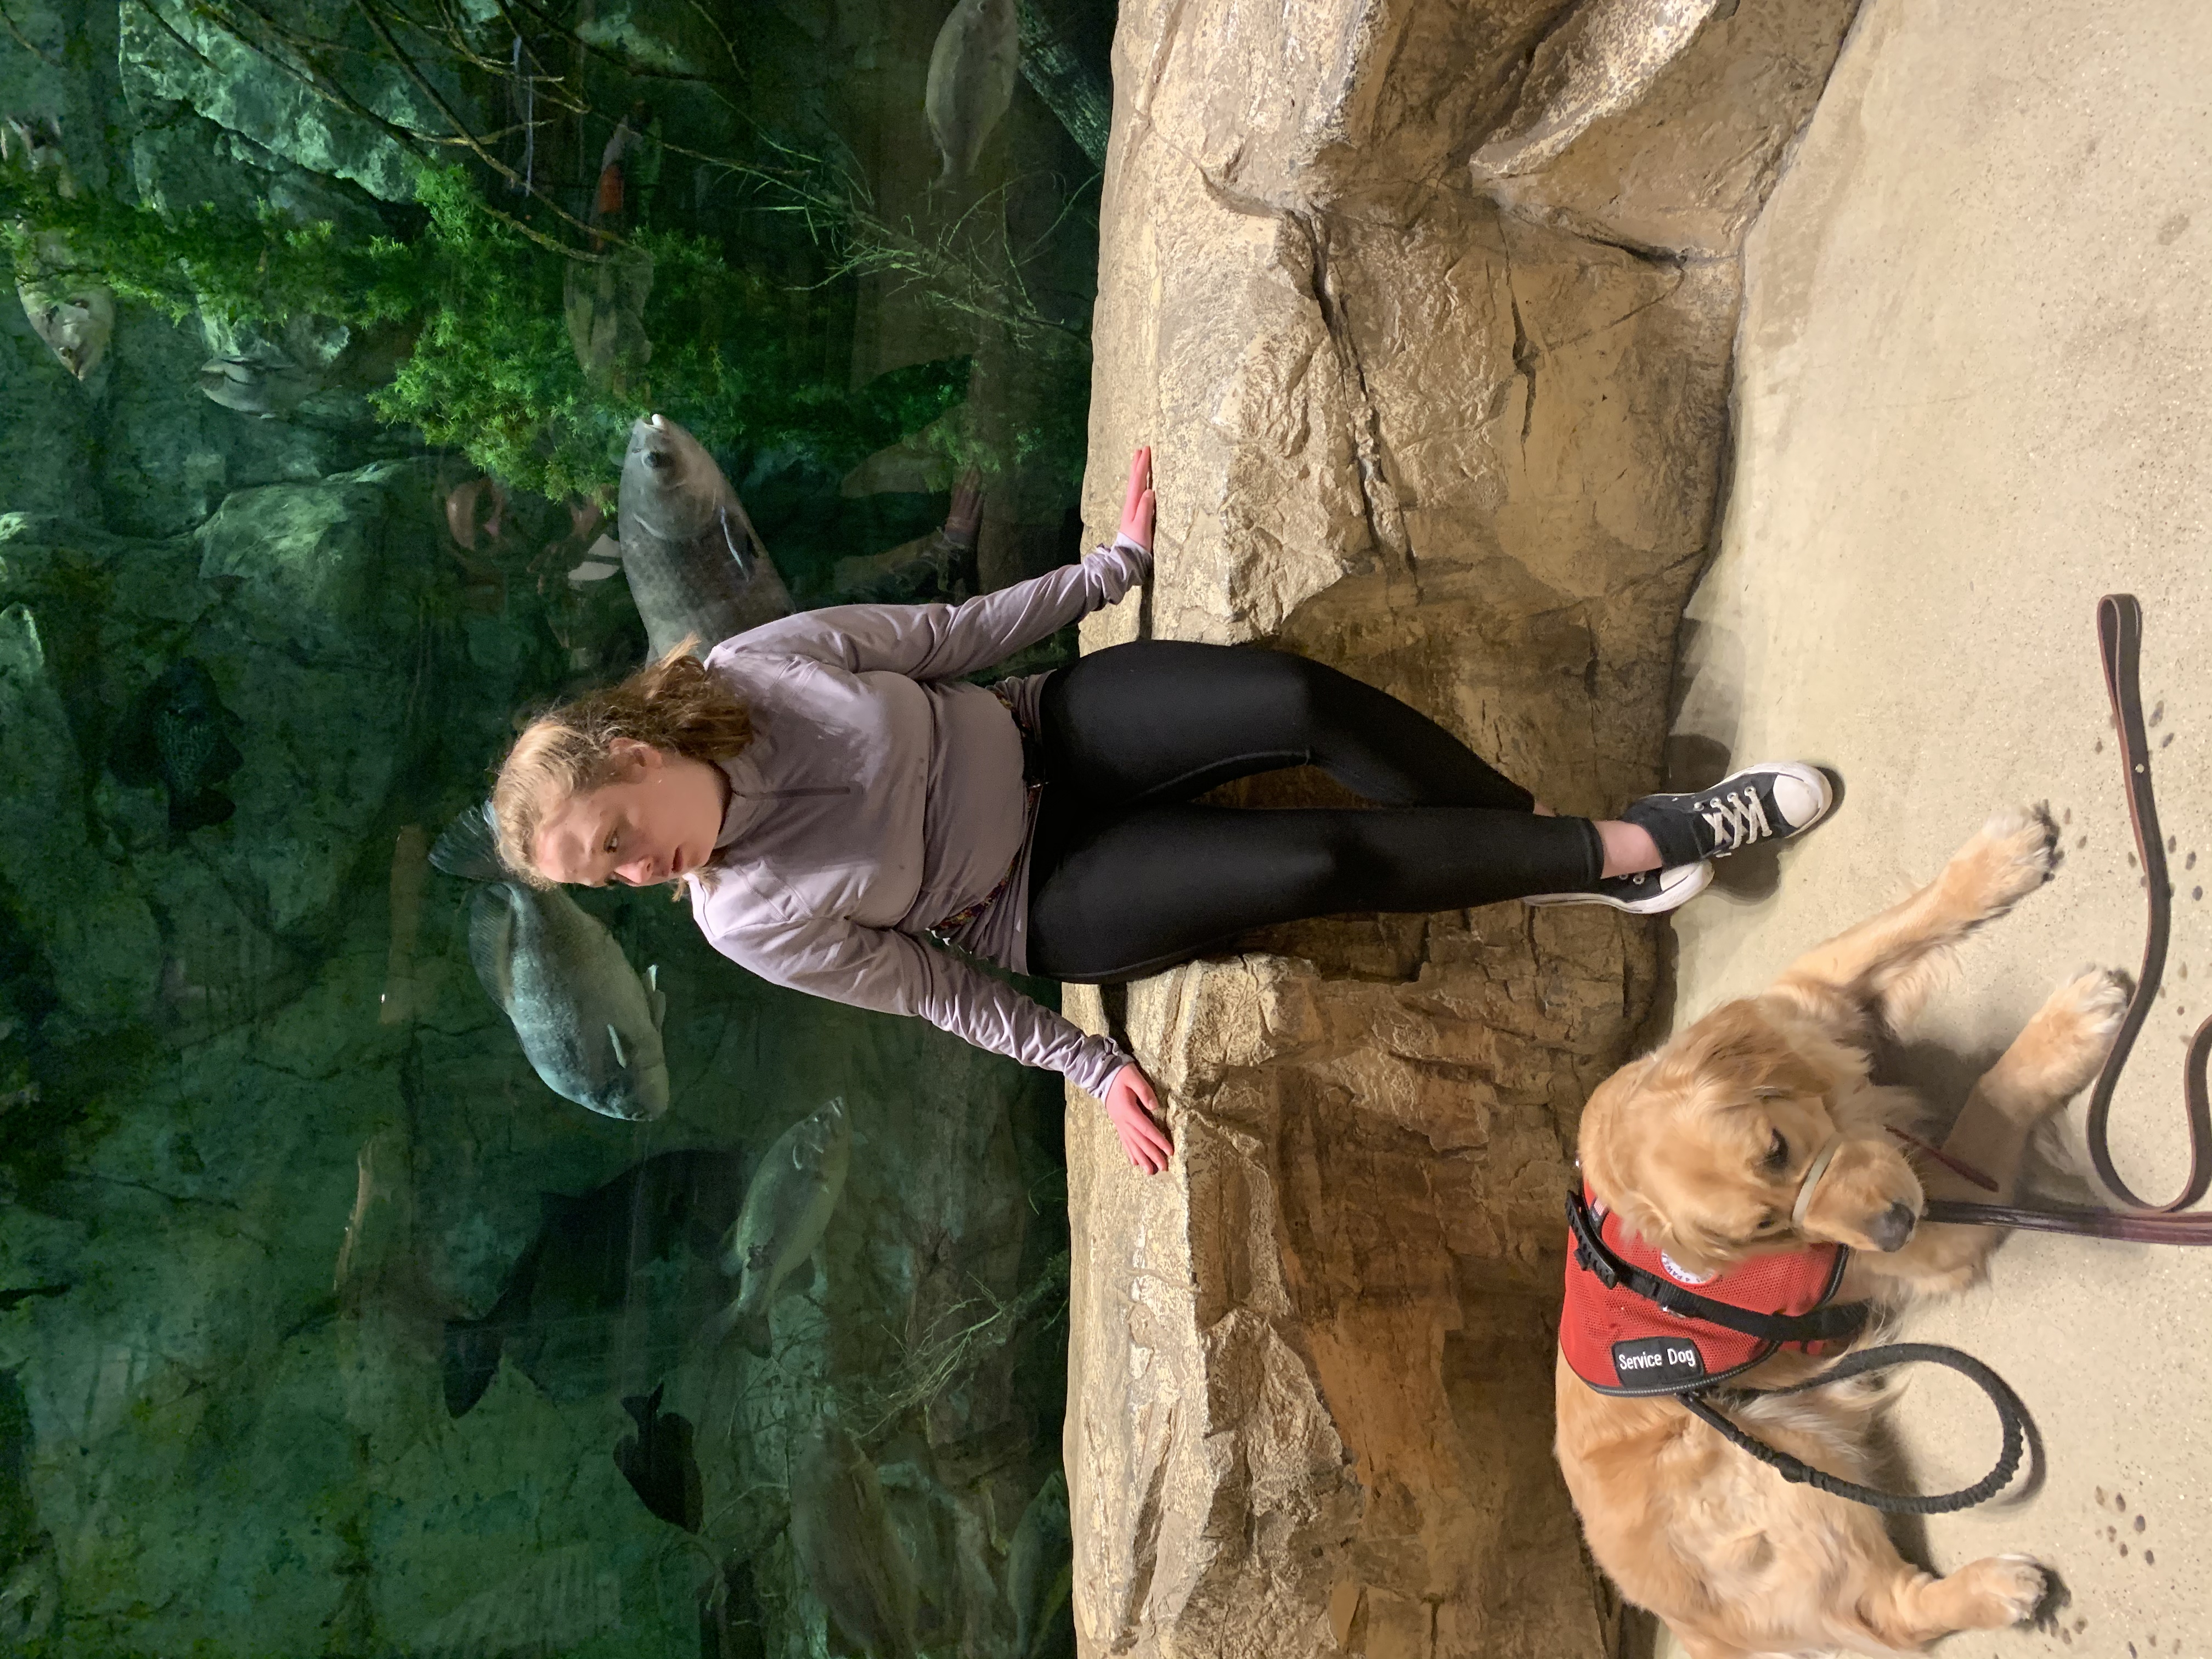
<point x="470" y="847"/>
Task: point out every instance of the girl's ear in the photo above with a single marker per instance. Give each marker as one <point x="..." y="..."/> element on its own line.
<point x="633" y="757"/>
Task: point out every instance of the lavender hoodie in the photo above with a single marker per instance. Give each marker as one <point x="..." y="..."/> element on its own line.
<point x="880" y="796"/>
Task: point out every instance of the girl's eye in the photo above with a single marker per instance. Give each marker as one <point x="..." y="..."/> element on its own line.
<point x="1778" y="1153"/>
<point x="611" y="839"/>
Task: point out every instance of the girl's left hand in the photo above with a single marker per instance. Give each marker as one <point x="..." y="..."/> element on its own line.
<point x="1137" y="507"/>
<point x="1134" y="1111"/>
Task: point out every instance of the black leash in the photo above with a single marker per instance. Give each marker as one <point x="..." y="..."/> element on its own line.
<point x="2119" y="644"/>
<point x="2010" y="1414"/>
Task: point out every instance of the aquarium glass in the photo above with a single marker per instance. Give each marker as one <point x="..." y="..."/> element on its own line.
<point x="327" y="1325"/>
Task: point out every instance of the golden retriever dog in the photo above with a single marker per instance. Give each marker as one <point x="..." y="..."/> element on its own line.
<point x="1703" y="1147"/>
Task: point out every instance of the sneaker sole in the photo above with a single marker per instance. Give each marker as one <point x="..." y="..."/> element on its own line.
<point x="1674" y="899"/>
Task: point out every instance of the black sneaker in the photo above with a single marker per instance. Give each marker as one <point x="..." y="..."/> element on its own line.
<point x="1771" y="801"/>
<point x="1646" y="893"/>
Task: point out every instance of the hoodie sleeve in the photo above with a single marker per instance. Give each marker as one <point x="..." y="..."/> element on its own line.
<point x="895" y="974"/>
<point x="944" y="641"/>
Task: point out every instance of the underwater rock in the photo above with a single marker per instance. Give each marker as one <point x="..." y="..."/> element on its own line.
<point x="657" y="1462"/>
<point x="971" y="81"/>
<point x="179" y="734"/>
<point x="1039" y="1566"/>
<point x="694" y="562"/>
<point x="590" y="1026"/>
<point x="589" y="1281"/>
<point x="562" y="1601"/>
<point x="1070" y="87"/>
<point x="86" y="914"/>
<point x="169" y="50"/>
<point x="787" y="1210"/>
<point x="854" y="1556"/>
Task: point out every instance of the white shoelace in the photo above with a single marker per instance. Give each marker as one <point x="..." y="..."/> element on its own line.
<point x="1736" y="819"/>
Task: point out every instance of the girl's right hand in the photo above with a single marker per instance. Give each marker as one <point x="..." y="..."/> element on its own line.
<point x="1137" y="507"/>
<point x="1134" y="1109"/>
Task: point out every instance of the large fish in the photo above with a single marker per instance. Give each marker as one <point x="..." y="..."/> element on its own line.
<point x="787" y="1209"/>
<point x="592" y="1295"/>
<point x="843" y="1535"/>
<point x="589" y="1025"/>
<point x="1040" y="1564"/>
<point x="695" y="564"/>
<point x="971" y="81"/>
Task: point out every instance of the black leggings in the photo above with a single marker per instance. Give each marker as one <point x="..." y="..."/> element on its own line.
<point x="1129" y="877"/>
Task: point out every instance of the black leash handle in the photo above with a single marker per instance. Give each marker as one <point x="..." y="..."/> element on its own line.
<point x="2010" y="1414"/>
<point x="2120" y="643"/>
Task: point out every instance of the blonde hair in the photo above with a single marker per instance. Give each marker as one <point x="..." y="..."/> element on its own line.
<point x="673" y="704"/>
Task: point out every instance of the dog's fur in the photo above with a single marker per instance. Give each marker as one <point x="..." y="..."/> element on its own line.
<point x="1683" y="1143"/>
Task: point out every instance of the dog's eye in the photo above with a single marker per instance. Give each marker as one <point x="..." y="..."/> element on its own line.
<point x="1769" y="1221"/>
<point x="1778" y="1153"/>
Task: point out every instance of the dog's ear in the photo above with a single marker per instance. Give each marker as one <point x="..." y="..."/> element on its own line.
<point x="1737" y="1045"/>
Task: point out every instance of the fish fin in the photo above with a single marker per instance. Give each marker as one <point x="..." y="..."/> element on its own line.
<point x="749" y="1327"/>
<point x="622" y="1057"/>
<point x="470" y="847"/>
<point x="473" y="1354"/>
<point x="491" y="943"/>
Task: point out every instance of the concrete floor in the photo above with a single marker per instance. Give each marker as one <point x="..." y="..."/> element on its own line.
<point x="1971" y="399"/>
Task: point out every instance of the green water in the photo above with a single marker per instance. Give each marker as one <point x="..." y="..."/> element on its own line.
<point x="325" y="1327"/>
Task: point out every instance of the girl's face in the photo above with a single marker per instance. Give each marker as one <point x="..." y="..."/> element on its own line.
<point x="656" y="821"/>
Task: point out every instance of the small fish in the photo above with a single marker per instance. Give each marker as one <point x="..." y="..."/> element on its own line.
<point x="611" y="199"/>
<point x="75" y="319"/>
<point x="658" y="1463"/>
<point x="604" y="299"/>
<point x="971" y="81"/>
<point x="695" y="563"/>
<point x="177" y="733"/>
<point x="264" y="382"/>
<point x="853" y="1556"/>
<point x="603" y="305"/>
<point x="590" y="1026"/>
<point x="1040" y="1564"/>
<point x="787" y="1210"/>
<point x="465" y="505"/>
<point x="410" y="857"/>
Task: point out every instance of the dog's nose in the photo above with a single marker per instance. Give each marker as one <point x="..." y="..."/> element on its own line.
<point x="1893" y="1226"/>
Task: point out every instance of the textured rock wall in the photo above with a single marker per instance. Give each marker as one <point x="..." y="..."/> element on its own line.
<point x="1428" y="310"/>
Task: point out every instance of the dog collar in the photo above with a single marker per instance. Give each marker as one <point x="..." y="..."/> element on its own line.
<point x="1813" y="1171"/>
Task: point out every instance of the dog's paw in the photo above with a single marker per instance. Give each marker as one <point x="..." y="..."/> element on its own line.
<point x="2000" y="1590"/>
<point x="2014" y="855"/>
<point x="2063" y="1047"/>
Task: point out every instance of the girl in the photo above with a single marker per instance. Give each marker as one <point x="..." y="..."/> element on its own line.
<point x="849" y="812"/>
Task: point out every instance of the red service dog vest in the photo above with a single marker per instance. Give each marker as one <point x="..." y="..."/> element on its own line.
<point x="1620" y="1342"/>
